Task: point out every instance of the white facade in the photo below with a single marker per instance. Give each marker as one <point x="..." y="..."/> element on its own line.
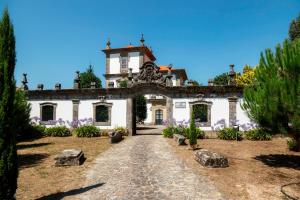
<point x="114" y="63"/>
<point x="64" y="111"/>
<point x="219" y="113"/>
<point x="134" y="61"/>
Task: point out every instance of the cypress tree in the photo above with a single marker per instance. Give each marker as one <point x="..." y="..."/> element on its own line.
<point x="193" y="133"/>
<point x="8" y="153"/>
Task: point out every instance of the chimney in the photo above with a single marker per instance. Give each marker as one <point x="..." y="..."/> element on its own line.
<point x="210" y="82"/>
<point x="40" y="87"/>
<point x="93" y="85"/>
<point x="57" y="86"/>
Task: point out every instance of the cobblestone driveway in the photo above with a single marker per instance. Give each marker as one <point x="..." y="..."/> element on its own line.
<point x="145" y="167"/>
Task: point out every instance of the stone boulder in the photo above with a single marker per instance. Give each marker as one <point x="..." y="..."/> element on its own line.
<point x="180" y="139"/>
<point x="115" y="137"/>
<point x="210" y="159"/>
<point x="69" y="157"/>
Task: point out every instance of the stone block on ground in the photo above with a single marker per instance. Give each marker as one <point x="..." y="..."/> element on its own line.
<point x="115" y="137"/>
<point x="69" y="157"/>
<point x="180" y="139"/>
<point x="210" y="159"/>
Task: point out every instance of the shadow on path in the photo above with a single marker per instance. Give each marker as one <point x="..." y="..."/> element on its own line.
<point x="61" y="195"/>
<point x="25" y="146"/>
<point x="280" y="160"/>
<point x="30" y="160"/>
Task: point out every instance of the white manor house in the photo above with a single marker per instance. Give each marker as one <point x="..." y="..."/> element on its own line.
<point x="170" y="96"/>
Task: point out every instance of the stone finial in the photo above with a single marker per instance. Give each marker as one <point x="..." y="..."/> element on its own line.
<point x="40" y="87"/>
<point x="77" y="80"/>
<point x="142" y="40"/>
<point x="150" y="48"/>
<point x="93" y="85"/>
<point x="130" y="77"/>
<point x="231" y="75"/>
<point x="108" y="44"/>
<point x="24" y="82"/>
<point x="190" y="82"/>
<point x="57" y="86"/>
<point x="210" y="82"/>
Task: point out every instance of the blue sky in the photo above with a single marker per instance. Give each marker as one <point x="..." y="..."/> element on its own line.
<point x="57" y="37"/>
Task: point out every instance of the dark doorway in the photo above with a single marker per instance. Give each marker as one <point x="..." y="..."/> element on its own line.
<point x="159" y="117"/>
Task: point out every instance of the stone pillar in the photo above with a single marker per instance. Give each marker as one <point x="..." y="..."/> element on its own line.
<point x="232" y="110"/>
<point x="169" y="107"/>
<point x="130" y="116"/>
<point x="75" y="109"/>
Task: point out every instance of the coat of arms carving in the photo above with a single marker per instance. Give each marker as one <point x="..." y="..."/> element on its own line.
<point x="149" y="73"/>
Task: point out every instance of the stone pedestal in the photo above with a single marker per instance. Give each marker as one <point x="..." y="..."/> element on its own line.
<point x="210" y="159"/>
<point x="115" y="137"/>
<point x="69" y="157"/>
<point x="180" y="139"/>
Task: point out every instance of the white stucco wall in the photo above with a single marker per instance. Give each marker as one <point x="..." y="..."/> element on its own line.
<point x="243" y="120"/>
<point x="134" y="61"/>
<point x="64" y="110"/>
<point x="219" y="111"/>
<point x="118" y="112"/>
<point x="114" y="63"/>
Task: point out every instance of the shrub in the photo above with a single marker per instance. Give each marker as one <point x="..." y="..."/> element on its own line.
<point x="87" y="131"/>
<point x="168" y="132"/>
<point x="104" y="132"/>
<point x="57" y="131"/>
<point x="32" y="131"/>
<point x="258" y="134"/>
<point x="199" y="133"/>
<point x="122" y="130"/>
<point x="229" y="134"/>
<point x="292" y="145"/>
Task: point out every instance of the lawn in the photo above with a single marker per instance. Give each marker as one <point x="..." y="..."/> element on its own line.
<point x="257" y="169"/>
<point x="39" y="178"/>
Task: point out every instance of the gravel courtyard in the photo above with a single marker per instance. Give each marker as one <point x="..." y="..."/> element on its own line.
<point x="144" y="167"/>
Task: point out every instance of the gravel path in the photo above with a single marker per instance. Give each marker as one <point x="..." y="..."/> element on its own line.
<point x="145" y="167"/>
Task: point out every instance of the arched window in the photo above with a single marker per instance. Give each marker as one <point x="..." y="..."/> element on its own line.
<point x="102" y="113"/>
<point x="47" y="112"/>
<point x="202" y="110"/>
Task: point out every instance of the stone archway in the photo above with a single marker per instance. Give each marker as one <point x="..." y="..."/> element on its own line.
<point x="148" y="81"/>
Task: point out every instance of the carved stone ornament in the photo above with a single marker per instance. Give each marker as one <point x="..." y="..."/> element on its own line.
<point x="149" y="73"/>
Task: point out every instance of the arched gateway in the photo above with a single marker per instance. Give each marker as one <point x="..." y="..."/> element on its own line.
<point x="108" y="108"/>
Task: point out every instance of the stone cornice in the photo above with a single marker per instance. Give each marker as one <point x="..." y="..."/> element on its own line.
<point x="137" y="89"/>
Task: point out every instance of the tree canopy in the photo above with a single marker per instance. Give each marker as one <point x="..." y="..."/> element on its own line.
<point x="89" y="76"/>
<point x="294" y="31"/>
<point x="273" y="101"/>
<point x="221" y="79"/>
<point x="247" y="77"/>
